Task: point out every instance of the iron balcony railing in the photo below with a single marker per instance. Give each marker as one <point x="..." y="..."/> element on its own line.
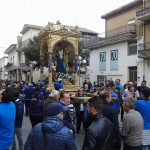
<point x="123" y="33"/>
<point x="23" y="64"/>
<point x="126" y="29"/>
<point x="143" y="9"/>
<point x="24" y="67"/>
<point x="144" y="50"/>
<point x="10" y="67"/>
<point x="144" y="46"/>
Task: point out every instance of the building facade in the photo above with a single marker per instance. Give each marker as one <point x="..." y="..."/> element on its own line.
<point x="118" y="54"/>
<point x="12" y="63"/>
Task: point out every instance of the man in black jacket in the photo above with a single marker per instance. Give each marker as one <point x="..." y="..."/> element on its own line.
<point x="110" y="113"/>
<point x="100" y="134"/>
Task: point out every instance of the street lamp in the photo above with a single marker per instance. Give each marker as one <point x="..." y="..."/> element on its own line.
<point x="80" y="62"/>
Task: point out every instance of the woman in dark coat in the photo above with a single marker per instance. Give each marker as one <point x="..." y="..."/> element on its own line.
<point x="36" y="109"/>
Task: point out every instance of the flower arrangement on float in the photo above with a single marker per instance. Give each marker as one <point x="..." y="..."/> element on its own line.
<point x="66" y="78"/>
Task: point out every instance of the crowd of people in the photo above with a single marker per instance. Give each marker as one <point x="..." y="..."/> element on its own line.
<point x="56" y="118"/>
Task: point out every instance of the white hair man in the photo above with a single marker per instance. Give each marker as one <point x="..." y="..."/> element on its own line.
<point x="132" y="126"/>
<point x="53" y="96"/>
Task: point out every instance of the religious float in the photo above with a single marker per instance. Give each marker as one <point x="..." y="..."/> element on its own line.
<point x="61" y="45"/>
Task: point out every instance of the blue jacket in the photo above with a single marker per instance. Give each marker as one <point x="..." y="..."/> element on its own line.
<point x="19" y="113"/>
<point x="36" y="108"/>
<point x="58" y="136"/>
<point x="7" y="120"/>
<point x="29" y="91"/>
<point x="143" y="107"/>
<point x="58" y="86"/>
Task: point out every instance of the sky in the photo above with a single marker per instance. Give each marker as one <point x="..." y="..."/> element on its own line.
<point x="84" y="13"/>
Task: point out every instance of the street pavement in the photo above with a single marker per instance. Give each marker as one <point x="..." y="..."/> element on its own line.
<point x="26" y="128"/>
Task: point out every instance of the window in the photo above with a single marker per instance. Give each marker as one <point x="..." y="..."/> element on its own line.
<point x="102" y="59"/>
<point x="101" y="78"/>
<point x="132" y="48"/>
<point x="114" y="60"/>
<point x="133" y="74"/>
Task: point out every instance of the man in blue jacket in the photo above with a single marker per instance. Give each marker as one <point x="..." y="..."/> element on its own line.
<point x="51" y="133"/>
<point x="143" y="107"/>
<point x="7" y="119"/>
<point x="28" y="96"/>
<point x="18" y="121"/>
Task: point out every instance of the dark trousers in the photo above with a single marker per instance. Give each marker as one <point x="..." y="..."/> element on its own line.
<point x="81" y="118"/>
<point x="27" y="105"/>
<point x="122" y="111"/>
<point x="127" y="147"/>
<point x="35" y="120"/>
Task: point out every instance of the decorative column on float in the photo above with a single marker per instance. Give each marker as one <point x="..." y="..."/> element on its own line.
<point x="50" y="49"/>
<point x="76" y="62"/>
<point x="41" y="67"/>
<point x="75" y="44"/>
<point x="50" y="68"/>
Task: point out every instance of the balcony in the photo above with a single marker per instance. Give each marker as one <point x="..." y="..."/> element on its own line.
<point x="126" y="30"/>
<point x="24" y="67"/>
<point x="123" y="33"/>
<point x="144" y="50"/>
<point x="10" y="67"/>
<point x="143" y="11"/>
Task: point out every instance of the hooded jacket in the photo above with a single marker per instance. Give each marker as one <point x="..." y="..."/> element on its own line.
<point x="57" y="136"/>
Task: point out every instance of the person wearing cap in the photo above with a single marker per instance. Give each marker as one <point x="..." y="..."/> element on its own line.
<point x="58" y="85"/>
<point x="51" y="133"/>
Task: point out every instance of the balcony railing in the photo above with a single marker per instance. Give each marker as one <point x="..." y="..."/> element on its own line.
<point x="123" y="33"/>
<point x="24" y="67"/>
<point x="126" y="29"/>
<point x="10" y="67"/>
<point x="144" y="50"/>
<point x="144" y="46"/>
<point x="23" y="64"/>
<point x="143" y="11"/>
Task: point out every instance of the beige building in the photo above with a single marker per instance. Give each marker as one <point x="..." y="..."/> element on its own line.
<point x="118" y="54"/>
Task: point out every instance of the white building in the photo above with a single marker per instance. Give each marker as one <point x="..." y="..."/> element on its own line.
<point x="118" y="54"/>
<point x="19" y="68"/>
<point x="3" y="72"/>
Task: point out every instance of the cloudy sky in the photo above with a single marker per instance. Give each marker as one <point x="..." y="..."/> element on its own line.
<point x="84" y="13"/>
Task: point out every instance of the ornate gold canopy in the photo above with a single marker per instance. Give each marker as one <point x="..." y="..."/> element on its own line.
<point x="53" y="34"/>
